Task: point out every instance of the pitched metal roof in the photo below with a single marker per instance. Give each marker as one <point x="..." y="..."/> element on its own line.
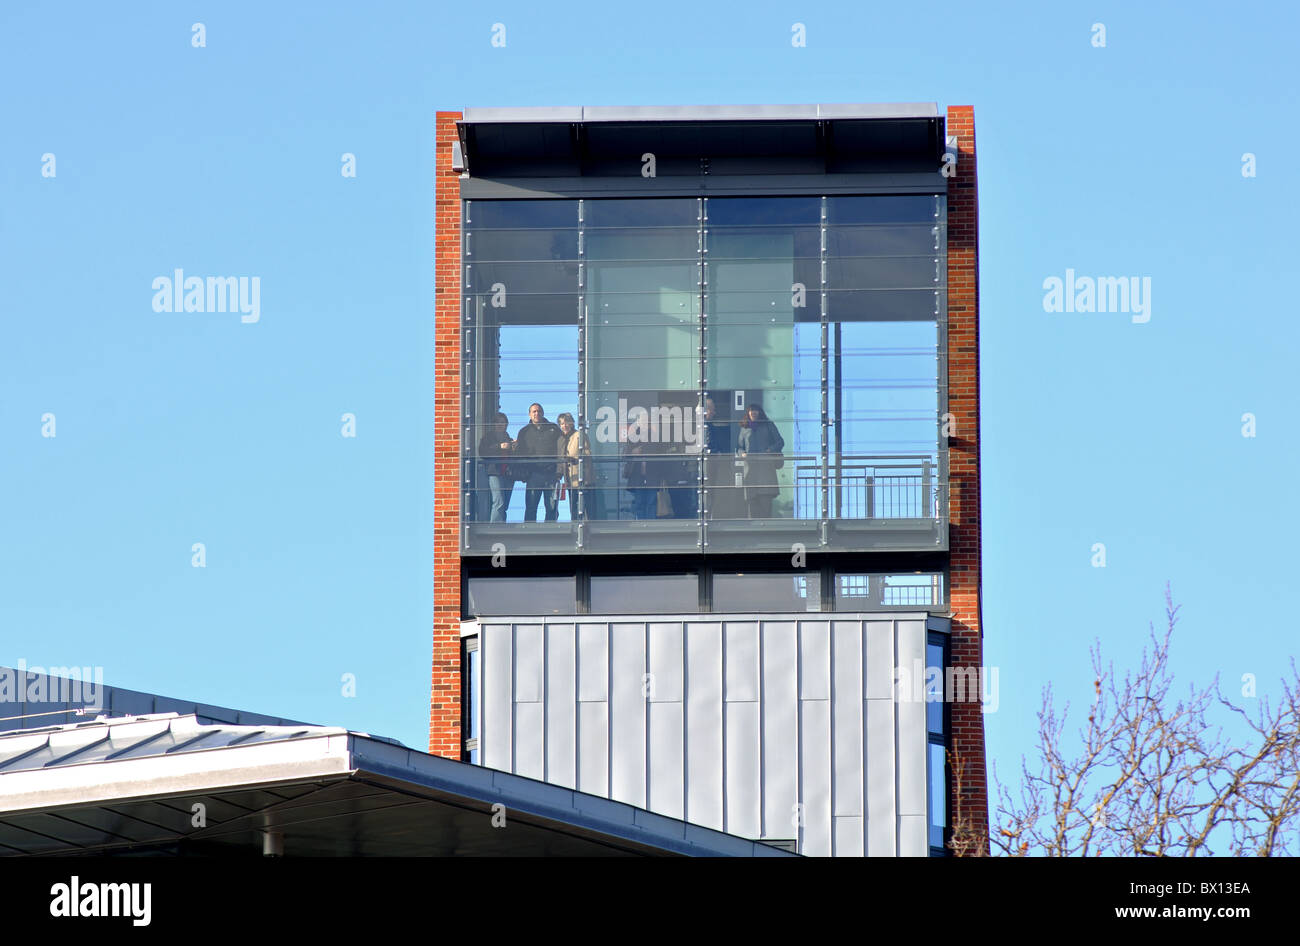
<point x="132" y="785"/>
<point x="33" y="698"/>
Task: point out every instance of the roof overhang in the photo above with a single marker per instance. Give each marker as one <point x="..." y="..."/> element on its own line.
<point x="701" y="139"/>
<point x="132" y="786"/>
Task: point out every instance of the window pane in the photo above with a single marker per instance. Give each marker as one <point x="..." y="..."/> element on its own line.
<point x="766" y="591"/>
<point x="934" y="688"/>
<point x="644" y="212"/>
<point x="483" y="245"/>
<point x="522" y="596"/>
<point x="645" y="594"/>
<point x="764" y="211"/>
<point x="858" y="272"/>
<point x="911" y="208"/>
<point x="884" y="410"/>
<point x="515" y="464"/>
<point x="641" y="313"/>
<point x="755" y="350"/>
<point x="921" y="239"/>
<point x="938" y="795"/>
<point x="864" y="592"/>
<point x="920" y="590"/>
<point x="508" y="280"/>
<point x="474" y="667"/>
<point x="520" y="214"/>
<point x="853" y="593"/>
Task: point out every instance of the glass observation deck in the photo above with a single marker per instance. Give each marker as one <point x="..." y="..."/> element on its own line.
<point x="689" y="374"/>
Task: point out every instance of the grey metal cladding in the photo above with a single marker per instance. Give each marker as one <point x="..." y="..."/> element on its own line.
<point x="761" y="727"/>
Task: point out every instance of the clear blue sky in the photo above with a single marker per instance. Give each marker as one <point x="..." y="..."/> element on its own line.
<point x="174" y="429"/>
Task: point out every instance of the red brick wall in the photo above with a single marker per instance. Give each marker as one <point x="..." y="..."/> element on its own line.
<point x="971" y="804"/>
<point x="444" y="699"/>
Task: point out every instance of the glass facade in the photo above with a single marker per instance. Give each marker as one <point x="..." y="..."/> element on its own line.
<point x="681" y="374"/>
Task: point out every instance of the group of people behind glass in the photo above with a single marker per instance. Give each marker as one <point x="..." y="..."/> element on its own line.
<point x="544" y="456"/>
<point x="548" y="458"/>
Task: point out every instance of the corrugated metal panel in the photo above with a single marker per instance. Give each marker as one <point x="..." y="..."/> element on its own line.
<point x="780" y="709"/>
<point x="530" y="737"/>
<point x="815" y="790"/>
<point x="561" y="705"/>
<point x="763" y="728"/>
<point x="666" y="666"/>
<point x="529" y="665"/>
<point x="743" y="812"/>
<point x="911" y="735"/>
<point x="881" y="810"/>
<point x="627" y="714"/>
<point x="846" y="718"/>
<point x="667" y="769"/>
<point x="593" y="748"/>
<point x="497" y="659"/>
<point x="704" y="735"/>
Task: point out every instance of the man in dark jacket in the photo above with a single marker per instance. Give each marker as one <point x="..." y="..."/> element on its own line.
<point x="536" y="450"/>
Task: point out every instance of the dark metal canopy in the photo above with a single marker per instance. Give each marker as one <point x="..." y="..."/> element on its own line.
<point x="695" y="140"/>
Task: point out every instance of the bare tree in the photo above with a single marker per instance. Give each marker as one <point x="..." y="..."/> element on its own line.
<point x="1151" y="774"/>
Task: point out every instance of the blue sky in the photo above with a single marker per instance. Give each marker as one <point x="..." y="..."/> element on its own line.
<point x="174" y="429"/>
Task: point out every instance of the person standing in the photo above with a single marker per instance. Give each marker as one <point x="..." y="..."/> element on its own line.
<point x="494" y="449"/>
<point x="536" y="448"/>
<point x="760" y="445"/>
<point x="643" y="482"/>
<point x="575" y="470"/>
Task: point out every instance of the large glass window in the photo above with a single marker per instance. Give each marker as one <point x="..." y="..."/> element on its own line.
<point x="936" y="744"/>
<point x="471" y="675"/>
<point x="710" y="372"/>
<point x="767" y="591"/>
<point x="600" y="589"/>
<point x="860" y="591"/>
<point x="645" y="594"/>
<point x="523" y="596"/>
<point x="762" y="310"/>
<point x="641" y="373"/>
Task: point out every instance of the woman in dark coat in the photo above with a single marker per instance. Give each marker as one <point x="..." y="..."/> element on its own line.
<point x="760" y="445"/>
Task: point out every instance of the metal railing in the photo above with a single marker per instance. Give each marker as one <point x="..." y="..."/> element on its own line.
<point x="860" y="487"/>
<point x="869" y="487"/>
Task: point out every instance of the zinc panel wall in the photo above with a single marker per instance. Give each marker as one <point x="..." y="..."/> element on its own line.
<point x="764" y="728"/>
